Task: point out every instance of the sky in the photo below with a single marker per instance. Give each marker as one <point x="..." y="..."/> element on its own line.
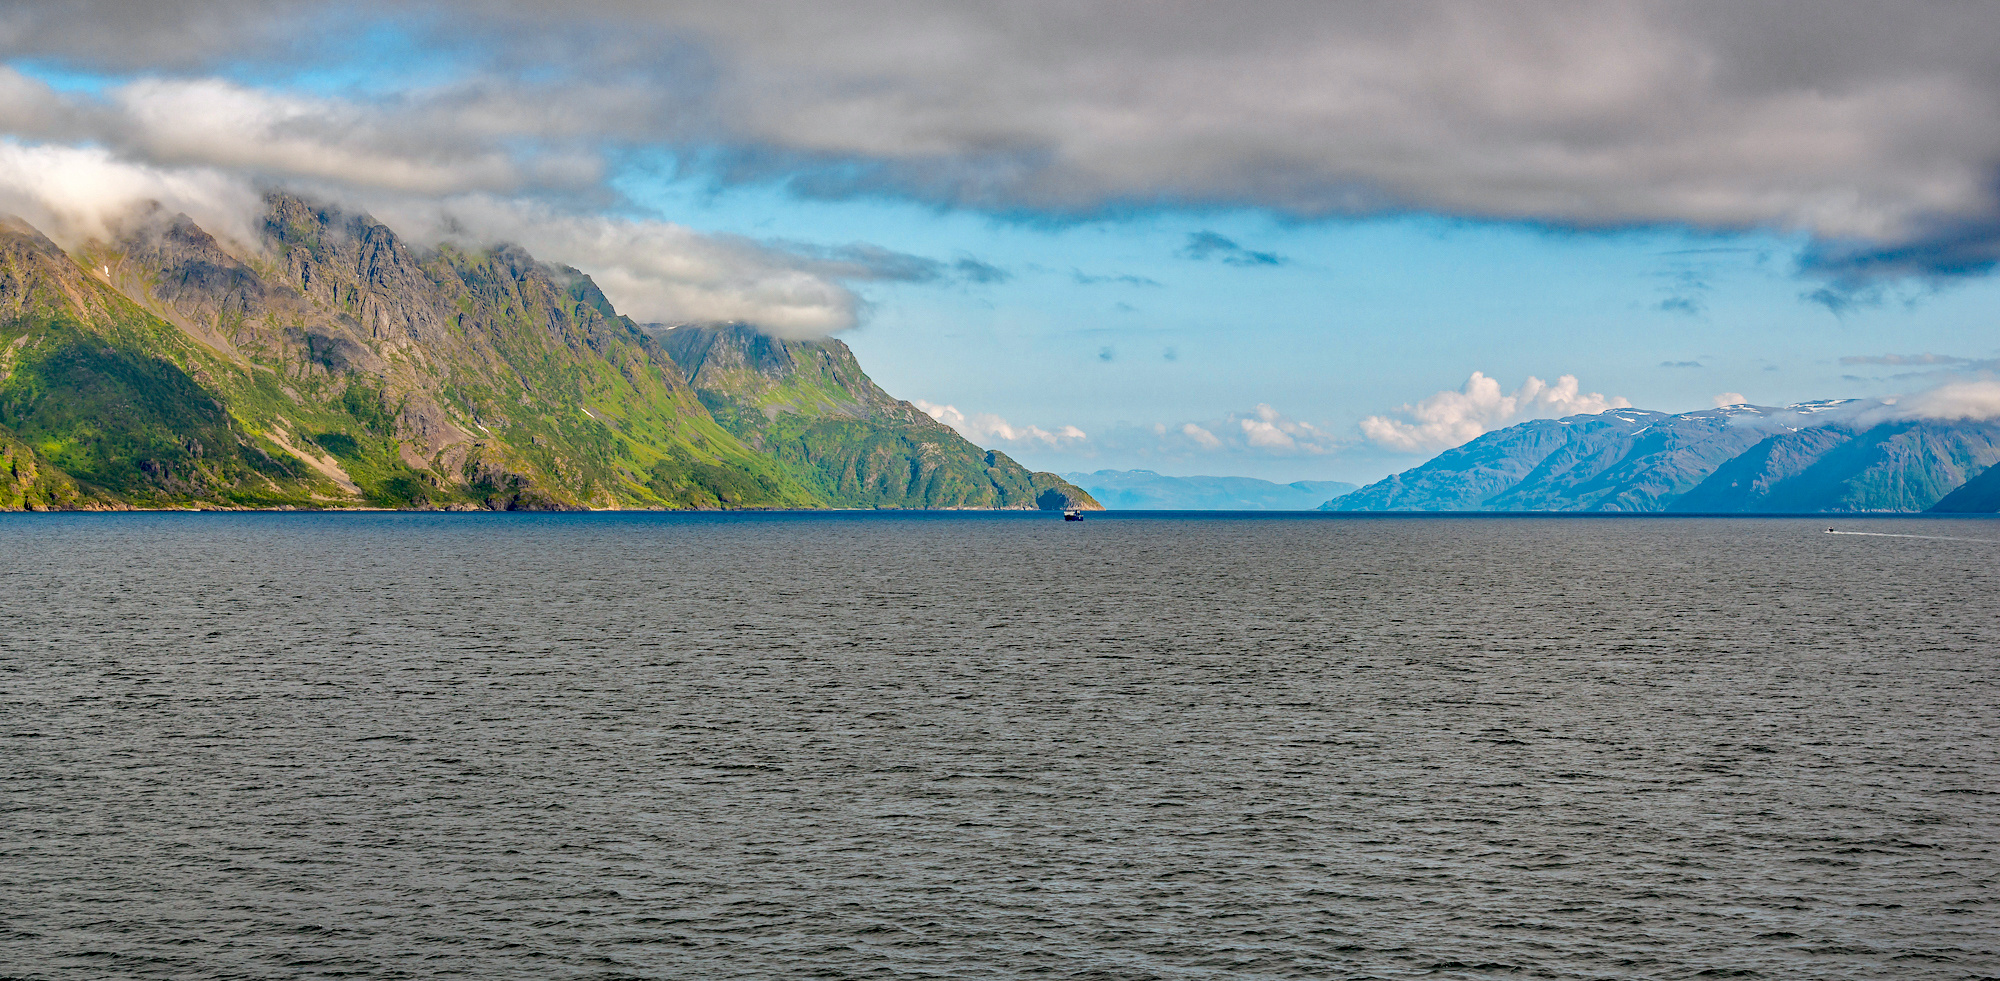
<point x="1287" y="240"/>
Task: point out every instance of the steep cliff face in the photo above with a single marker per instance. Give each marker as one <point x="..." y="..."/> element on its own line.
<point x="809" y="405"/>
<point x="1820" y="456"/>
<point x="437" y="378"/>
<point x="102" y="403"/>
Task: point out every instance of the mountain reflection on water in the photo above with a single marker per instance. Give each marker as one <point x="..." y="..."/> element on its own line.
<point x="925" y="745"/>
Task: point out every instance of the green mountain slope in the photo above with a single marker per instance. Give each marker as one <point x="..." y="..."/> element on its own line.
<point x="104" y="404"/>
<point x="441" y="378"/>
<point x="809" y="405"/>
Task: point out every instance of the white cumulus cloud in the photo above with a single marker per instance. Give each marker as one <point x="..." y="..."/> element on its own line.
<point x="1262" y="431"/>
<point x="1450" y="418"/>
<point x="985" y="428"/>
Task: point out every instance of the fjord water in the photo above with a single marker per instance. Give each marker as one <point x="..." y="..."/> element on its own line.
<point x="964" y="746"/>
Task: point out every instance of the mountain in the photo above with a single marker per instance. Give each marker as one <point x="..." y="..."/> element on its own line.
<point x="808" y="405"/>
<point x="330" y="363"/>
<point x="1815" y="456"/>
<point x="1144" y="490"/>
<point x="1980" y="495"/>
<point x="103" y="405"/>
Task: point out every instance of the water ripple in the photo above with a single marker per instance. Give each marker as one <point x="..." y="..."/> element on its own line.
<point x="743" y="746"/>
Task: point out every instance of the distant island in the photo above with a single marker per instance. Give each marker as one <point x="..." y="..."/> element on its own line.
<point x="1144" y="490"/>
<point x="331" y="365"/>
<point x="1854" y="455"/>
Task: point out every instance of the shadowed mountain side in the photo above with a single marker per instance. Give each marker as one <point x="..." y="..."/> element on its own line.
<point x="809" y="405"/>
<point x="1144" y="490"/>
<point x="1892" y="466"/>
<point x="1980" y="495"/>
<point x="1805" y="457"/>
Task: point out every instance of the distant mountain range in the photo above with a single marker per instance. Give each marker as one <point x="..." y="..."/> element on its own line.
<point x="1811" y="457"/>
<point x="332" y="364"/>
<point x="1144" y="490"/>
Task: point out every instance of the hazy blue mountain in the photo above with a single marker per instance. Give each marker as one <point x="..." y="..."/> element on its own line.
<point x="1904" y="465"/>
<point x="1816" y="456"/>
<point x="1144" y="490"/>
<point x="1980" y="495"/>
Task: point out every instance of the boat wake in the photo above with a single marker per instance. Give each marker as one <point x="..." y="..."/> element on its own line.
<point x="1935" y="538"/>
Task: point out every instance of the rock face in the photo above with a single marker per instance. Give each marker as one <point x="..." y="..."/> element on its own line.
<point x="331" y="364"/>
<point x="809" y="405"/>
<point x="1144" y="490"/>
<point x="1817" y="456"/>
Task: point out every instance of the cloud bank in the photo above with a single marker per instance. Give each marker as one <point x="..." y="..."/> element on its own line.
<point x="1874" y="128"/>
<point x="1450" y="418"/>
<point x="1967" y="401"/>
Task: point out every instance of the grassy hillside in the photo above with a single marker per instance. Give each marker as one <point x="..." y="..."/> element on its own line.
<point x="809" y="405"/>
<point x="443" y="378"/>
<point x="124" y="406"/>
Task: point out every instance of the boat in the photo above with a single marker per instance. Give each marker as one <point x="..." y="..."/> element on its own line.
<point x="1073" y="514"/>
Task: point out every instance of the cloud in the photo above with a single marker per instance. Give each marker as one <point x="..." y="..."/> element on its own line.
<point x="661" y="272"/>
<point x="1923" y="366"/>
<point x="74" y="194"/>
<point x="1201" y="436"/>
<point x="398" y="146"/>
<point x="986" y="429"/>
<point x="1905" y="359"/>
<point x="1727" y="399"/>
<point x="974" y="271"/>
<point x="1875" y="129"/>
<point x="1209" y="245"/>
<point x="1450" y="418"/>
<point x="1260" y="431"/>
<point x="1973" y="401"/>
<point x="1680" y="364"/>
<point x="652" y="270"/>
<point x="1127" y="279"/>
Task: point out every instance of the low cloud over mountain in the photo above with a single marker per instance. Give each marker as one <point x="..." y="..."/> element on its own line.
<point x="1449" y="418"/>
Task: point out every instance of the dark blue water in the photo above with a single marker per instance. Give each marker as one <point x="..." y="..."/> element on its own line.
<point x="997" y="746"/>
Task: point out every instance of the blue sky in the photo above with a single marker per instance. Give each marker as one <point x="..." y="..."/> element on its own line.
<point x="1278" y="240"/>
